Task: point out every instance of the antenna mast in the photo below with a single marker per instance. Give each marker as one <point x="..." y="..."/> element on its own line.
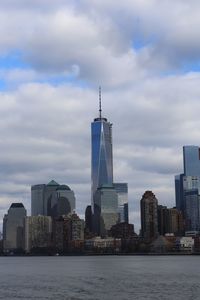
<point x="100" y="110"/>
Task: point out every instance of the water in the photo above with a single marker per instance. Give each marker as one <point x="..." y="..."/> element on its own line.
<point x="100" y="277"/>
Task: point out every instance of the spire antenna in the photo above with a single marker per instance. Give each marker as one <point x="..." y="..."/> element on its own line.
<point x="100" y="110"/>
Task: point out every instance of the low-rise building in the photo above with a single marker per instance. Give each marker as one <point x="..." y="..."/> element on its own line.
<point x="122" y="230"/>
<point x="105" y="245"/>
<point x="185" y="244"/>
<point x="161" y="245"/>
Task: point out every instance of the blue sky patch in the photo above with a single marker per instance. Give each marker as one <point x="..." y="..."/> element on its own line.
<point x="13" y="60"/>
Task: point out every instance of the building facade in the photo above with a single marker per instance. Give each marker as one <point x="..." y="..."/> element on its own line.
<point x="13" y="222"/>
<point x="88" y="218"/>
<point x="103" y="191"/>
<point x="149" y="217"/>
<point x="122" y="194"/>
<point x="102" y="156"/>
<point x="68" y="232"/>
<point x="105" y="209"/>
<point x="170" y="220"/>
<point x="187" y="188"/>
<point x="38" y="233"/>
<point x="52" y="199"/>
<point x="191" y="160"/>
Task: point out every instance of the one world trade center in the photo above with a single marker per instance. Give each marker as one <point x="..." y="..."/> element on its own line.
<point x="102" y="156"/>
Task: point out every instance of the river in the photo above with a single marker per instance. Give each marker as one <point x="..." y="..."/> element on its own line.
<point x="100" y="277"/>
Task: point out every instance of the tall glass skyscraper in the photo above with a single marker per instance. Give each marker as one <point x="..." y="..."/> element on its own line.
<point x="191" y="159"/>
<point x="102" y="156"/>
<point x="187" y="187"/>
<point x="109" y="200"/>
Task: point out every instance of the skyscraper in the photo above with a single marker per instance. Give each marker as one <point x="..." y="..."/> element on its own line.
<point x="102" y="156"/>
<point x="187" y="187"/>
<point x="191" y="159"/>
<point x="149" y="217"/>
<point x="51" y="199"/>
<point x="13" y="223"/>
<point x="109" y="201"/>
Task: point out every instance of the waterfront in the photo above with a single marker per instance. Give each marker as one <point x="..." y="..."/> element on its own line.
<point x="102" y="277"/>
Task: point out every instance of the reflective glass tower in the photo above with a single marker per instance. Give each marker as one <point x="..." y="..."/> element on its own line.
<point x="191" y="159"/>
<point x="102" y="157"/>
<point x="187" y="188"/>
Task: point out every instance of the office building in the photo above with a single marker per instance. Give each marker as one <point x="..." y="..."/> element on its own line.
<point x="187" y="188"/>
<point x="109" y="201"/>
<point x="149" y="217"/>
<point x="122" y="231"/>
<point x="102" y="156"/>
<point x="52" y="199"/>
<point x="180" y="203"/>
<point x="162" y="219"/>
<point x="88" y="218"/>
<point x="13" y="223"/>
<point x="105" y="209"/>
<point x="68" y="231"/>
<point x="192" y="205"/>
<point x="176" y="223"/>
<point x="191" y="160"/>
<point x="38" y="233"/>
<point x="170" y="220"/>
<point x="122" y="194"/>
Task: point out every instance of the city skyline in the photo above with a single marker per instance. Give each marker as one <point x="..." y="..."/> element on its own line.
<point x="53" y="57"/>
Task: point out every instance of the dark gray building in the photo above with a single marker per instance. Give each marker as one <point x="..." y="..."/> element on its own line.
<point x="13" y="227"/>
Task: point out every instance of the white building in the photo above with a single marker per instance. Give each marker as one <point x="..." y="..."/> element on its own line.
<point x="185" y="243"/>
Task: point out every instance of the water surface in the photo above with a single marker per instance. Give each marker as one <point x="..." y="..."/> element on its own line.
<point x="100" y="277"/>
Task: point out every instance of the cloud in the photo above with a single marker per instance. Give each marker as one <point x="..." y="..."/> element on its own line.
<point x="54" y="55"/>
<point x="45" y="134"/>
<point x="117" y="44"/>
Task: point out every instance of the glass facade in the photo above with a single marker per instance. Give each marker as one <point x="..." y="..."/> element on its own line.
<point x="122" y="193"/>
<point x="187" y="187"/>
<point x="37" y="199"/>
<point x="102" y="157"/>
<point x="192" y="203"/>
<point x="52" y="199"/>
<point x="105" y="209"/>
<point x="191" y="158"/>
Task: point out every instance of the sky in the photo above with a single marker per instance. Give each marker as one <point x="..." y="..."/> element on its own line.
<point x="145" y="55"/>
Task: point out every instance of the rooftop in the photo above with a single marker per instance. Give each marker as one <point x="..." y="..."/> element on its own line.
<point x="63" y="187"/>
<point x="53" y="182"/>
<point x="16" y="205"/>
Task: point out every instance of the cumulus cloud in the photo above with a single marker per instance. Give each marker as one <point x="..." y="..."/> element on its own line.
<point x="137" y="51"/>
